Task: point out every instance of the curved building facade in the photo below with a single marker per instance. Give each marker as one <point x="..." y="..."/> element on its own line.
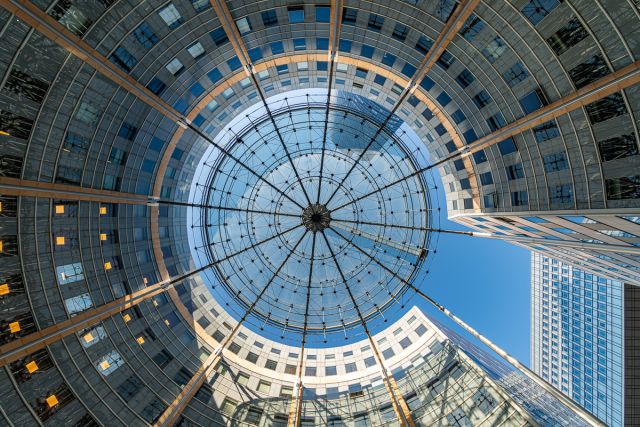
<point x="211" y="212"/>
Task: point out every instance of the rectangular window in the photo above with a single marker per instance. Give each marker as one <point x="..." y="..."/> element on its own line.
<point x="244" y="26"/>
<point x="296" y="14"/>
<point x="472" y="27"/>
<point x="78" y="303"/>
<point x="330" y="371"/>
<point x="400" y="32"/>
<point x="349" y="16"/>
<point x="424" y="44"/>
<point x="157" y="86"/>
<point x="555" y="162"/>
<point x="561" y="193"/>
<point x="109" y="363"/>
<point x="515" y="171"/>
<point x="446" y="60"/>
<point x="546" y="131"/>
<point x="566" y="37"/>
<point x="375" y="22"/>
<point x="218" y="36"/>
<point x="388" y="353"/>
<point x="145" y="35"/>
<point x="200" y="5"/>
<point x="627" y="187"/>
<point x="196" y="50"/>
<point x="494" y="49"/>
<point x="519" y="198"/>
<point x="486" y="178"/>
<point x="482" y="99"/>
<point x="128" y="131"/>
<point x="589" y="71"/>
<point x="87" y="113"/>
<point x="465" y="78"/>
<point x="323" y="14"/>
<point x="507" y="146"/>
<point x="299" y="44"/>
<point x="170" y="16"/>
<point x="175" y="66"/>
<point x="496" y="121"/>
<point x="515" y="74"/>
<point x="618" y="147"/>
<point x="536" y="10"/>
<point x="69" y="273"/>
<point x="532" y="101"/>
<point x="606" y="108"/>
<point x="269" y="18"/>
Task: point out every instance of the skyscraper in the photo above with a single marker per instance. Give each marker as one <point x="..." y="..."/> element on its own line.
<point x="579" y="327"/>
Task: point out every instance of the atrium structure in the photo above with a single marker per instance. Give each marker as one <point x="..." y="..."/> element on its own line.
<point x="224" y="213"/>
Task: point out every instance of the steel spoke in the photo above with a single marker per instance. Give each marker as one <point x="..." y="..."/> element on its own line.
<point x="226" y="208"/>
<point x="257" y="244"/>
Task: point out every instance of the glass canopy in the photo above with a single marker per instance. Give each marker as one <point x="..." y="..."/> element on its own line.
<point x="314" y="218"/>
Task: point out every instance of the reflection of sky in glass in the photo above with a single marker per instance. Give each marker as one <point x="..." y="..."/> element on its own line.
<point x="268" y="199"/>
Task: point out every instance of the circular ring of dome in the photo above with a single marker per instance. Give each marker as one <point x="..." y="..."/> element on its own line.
<point x="255" y="204"/>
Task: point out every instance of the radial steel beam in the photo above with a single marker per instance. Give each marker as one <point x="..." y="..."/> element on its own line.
<point x="412" y="250"/>
<point x="335" y="25"/>
<point x="229" y="27"/>
<point x="295" y="409"/>
<point x="173" y="412"/>
<point x="40" y="339"/>
<point x="397" y="400"/>
<point x="27" y="188"/>
<point x="462" y="12"/>
<point x="583" y="413"/>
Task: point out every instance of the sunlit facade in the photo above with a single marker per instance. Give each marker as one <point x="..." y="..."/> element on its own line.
<point x="201" y="201"/>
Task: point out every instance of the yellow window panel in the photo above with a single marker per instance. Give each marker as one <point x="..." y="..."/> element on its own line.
<point x="52" y="401"/>
<point x="0" y="246"/>
<point x="0" y="206"/>
<point x="126" y="317"/>
<point x="145" y="280"/>
<point x="14" y="327"/>
<point x="32" y="367"/>
<point x="60" y="240"/>
<point x="59" y="209"/>
<point x="103" y="210"/>
<point x="140" y="340"/>
<point x="103" y="236"/>
<point x="167" y="322"/>
<point x="4" y="289"/>
<point x="104" y="365"/>
<point x="155" y="303"/>
<point x="107" y="265"/>
<point x="88" y="337"/>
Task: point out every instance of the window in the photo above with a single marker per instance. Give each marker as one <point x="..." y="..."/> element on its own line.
<point x="196" y="50"/>
<point x="589" y="71"/>
<point x="494" y="49"/>
<point x="264" y="386"/>
<point x="482" y="99"/>
<point x="69" y="273"/>
<point x="536" y="10"/>
<point x="157" y="86"/>
<point x="472" y="27"/>
<point x="296" y="14"/>
<point x="458" y="116"/>
<point x="269" y="18"/>
<point x="405" y="342"/>
<point x="388" y="59"/>
<point x="349" y="16"/>
<point x="569" y="35"/>
<point x="561" y="193"/>
<point x="465" y="78"/>
<point x="515" y="171"/>
<point x="490" y="200"/>
<point x="507" y="146"/>
<point x="252" y="357"/>
<point x="330" y="370"/>
<point x="109" y="363"/>
<point x="532" y="101"/>
<point x="446" y="60"/>
<point x="170" y="16"/>
<point x="129" y="388"/>
<point x="244" y="26"/>
<point x="627" y="187"/>
<point x="350" y="367"/>
<point x="323" y="14"/>
<point x="496" y="121"/>
<point x="175" y="66"/>
<point x="618" y="147"/>
<point x="400" y="32"/>
<point x="375" y="22"/>
<point x="78" y="303"/>
<point x="145" y="35"/>
<point x="606" y="108"/>
<point x="271" y="364"/>
<point x="286" y="391"/>
<point x="310" y="371"/>
<point x="218" y="36"/>
<point x="486" y="178"/>
<point x="515" y="74"/>
<point x="546" y="131"/>
<point x="424" y="44"/>
<point x="299" y="44"/>
<point x="388" y="353"/>
<point x="128" y="131"/>
<point x="519" y="198"/>
<point x="229" y="406"/>
<point x="555" y="162"/>
<point x="361" y="420"/>
<point x="290" y="369"/>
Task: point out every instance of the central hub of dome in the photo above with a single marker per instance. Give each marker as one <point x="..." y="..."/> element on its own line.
<point x="316" y="217"/>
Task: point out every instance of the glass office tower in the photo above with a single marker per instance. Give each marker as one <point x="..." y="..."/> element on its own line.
<point x="577" y="335"/>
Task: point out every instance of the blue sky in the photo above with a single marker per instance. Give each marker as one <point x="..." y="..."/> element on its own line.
<point x="486" y="283"/>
